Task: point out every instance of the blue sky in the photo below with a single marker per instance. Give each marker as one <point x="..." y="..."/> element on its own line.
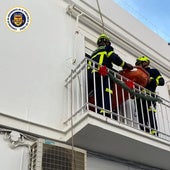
<point x="155" y="14"/>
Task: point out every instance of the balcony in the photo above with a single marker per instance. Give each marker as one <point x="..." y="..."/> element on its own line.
<point x="117" y="131"/>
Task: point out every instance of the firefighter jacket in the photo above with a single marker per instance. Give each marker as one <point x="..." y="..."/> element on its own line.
<point x="104" y="55"/>
<point x="156" y="79"/>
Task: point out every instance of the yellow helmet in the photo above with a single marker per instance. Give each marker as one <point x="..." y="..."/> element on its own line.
<point x="143" y="59"/>
<point x="103" y="37"/>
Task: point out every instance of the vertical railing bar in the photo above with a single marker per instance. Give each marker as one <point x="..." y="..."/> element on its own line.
<point x="77" y="91"/>
<point x="154" y="115"/>
<point x="72" y="93"/>
<point x="103" y="104"/>
<point x="147" y="108"/>
<point x="163" y="121"/>
<point x="110" y="99"/>
<point x="123" y="97"/>
<point x="81" y="89"/>
<point x="168" y="121"/>
<point x="117" y="101"/>
<point x="158" y="117"/>
<point x="143" y="119"/>
<point x="86" y="82"/>
<point x="130" y="108"/>
<point x="135" y="104"/>
<point x="94" y="87"/>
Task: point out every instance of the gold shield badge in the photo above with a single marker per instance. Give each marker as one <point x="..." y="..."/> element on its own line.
<point x="18" y="20"/>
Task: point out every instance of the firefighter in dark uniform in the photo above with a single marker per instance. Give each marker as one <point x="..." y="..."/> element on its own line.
<point x="147" y="109"/>
<point x="104" y="56"/>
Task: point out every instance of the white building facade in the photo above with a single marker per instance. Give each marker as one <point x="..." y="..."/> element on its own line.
<point x="43" y="85"/>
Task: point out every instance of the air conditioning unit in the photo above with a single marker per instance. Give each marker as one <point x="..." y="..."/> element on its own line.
<point x="51" y="155"/>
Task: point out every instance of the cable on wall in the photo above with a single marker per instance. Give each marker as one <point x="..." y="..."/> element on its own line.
<point x="98" y="5"/>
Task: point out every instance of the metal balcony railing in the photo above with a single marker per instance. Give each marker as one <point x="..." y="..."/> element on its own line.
<point x="129" y="103"/>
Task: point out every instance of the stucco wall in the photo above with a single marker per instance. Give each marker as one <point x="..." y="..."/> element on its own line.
<point x="35" y="62"/>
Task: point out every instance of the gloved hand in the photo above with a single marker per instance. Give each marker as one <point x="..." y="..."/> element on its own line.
<point x="127" y="66"/>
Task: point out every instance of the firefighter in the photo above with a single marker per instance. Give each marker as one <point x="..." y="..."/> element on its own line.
<point x="103" y="56"/>
<point x="147" y="109"/>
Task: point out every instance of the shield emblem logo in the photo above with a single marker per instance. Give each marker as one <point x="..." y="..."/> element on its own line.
<point x="18" y="20"/>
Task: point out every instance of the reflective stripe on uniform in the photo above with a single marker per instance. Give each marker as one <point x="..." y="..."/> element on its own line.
<point x="110" y="53"/>
<point x="102" y="111"/>
<point x="109" y="90"/>
<point x="101" y="54"/>
<point x="94" y="70"/>
<point x="123" y="63"/>
<point x="89" y="65"/>
<point x="157" y="80"/>
<point x="101" y="57"/>
<point x="153" y="132"/>
<point x="150" y="109"/>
